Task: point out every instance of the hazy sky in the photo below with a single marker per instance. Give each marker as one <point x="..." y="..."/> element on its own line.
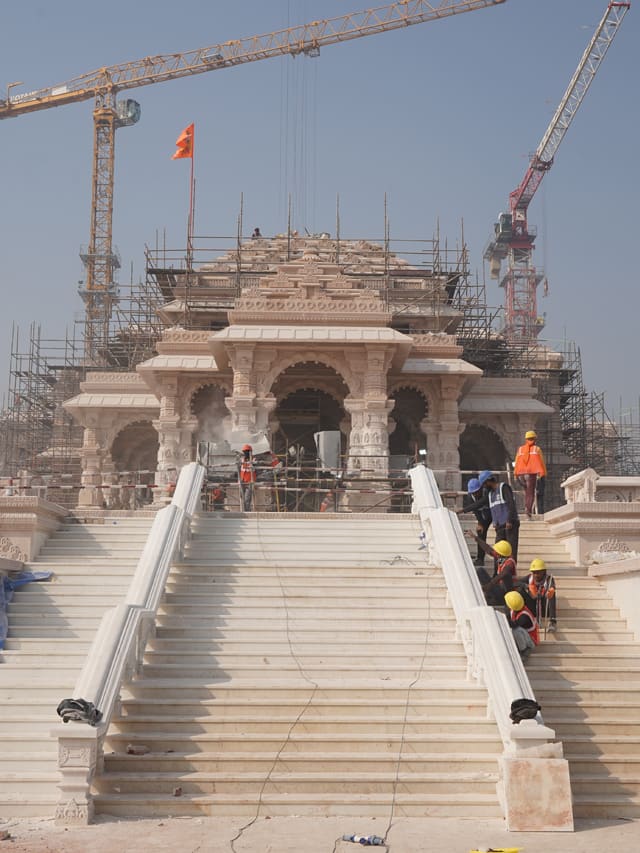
<point x="441" y="117"/>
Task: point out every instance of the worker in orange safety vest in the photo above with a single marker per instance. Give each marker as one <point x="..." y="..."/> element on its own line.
<point x="529" y="466"/>
<point x="247" y="477"/>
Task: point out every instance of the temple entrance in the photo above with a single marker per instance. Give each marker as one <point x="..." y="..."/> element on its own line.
<point x="411" y="408"/>
<point x="134" y="454"/>
<point x="308" y="396"/>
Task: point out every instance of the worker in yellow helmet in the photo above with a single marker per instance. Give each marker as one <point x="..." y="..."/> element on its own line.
<point x="504" y="575"/>
<point x="528" y="468"/>
<point x="542" y="589"/>
<point x="523" y="624"/>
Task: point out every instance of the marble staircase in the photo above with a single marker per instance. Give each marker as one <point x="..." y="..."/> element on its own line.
<point x="307" y="665"/>
<point x="51" y="626"/>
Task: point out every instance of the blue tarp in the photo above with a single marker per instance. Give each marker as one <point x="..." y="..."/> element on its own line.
<point x="7" y="588"/>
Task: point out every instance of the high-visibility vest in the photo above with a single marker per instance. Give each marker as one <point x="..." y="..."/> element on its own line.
<point x="533" y="630"/>
<point x="247" y="472"/>
<point x="530" y="460"/>
<point x="498" y="505"/>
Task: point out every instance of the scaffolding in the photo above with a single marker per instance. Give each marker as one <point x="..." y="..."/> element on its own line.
<point x="420" y="282"/>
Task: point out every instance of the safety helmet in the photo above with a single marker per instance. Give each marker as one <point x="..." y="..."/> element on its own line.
<point x="483" y="476"/>
<point x="514" y="600"/>
<point x="538" y="565"/>
<point x="473" y="485"/>
<point x="503" y="548"/>
<point x="246" y="447"/>
<point x="530" y="434"/>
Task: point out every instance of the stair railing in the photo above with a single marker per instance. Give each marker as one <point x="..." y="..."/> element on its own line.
<point x="117" y="651"/>
<point x="494" y="661"/>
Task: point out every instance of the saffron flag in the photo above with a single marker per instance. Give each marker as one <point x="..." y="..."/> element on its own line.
<point x="184" y="144"/>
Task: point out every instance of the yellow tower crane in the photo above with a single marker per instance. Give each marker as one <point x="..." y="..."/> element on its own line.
<point x="104" y="84"/>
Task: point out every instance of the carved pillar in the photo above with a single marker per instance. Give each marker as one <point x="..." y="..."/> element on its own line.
<point x="91" y="455"/>
<point x="369" y="438"/>
<point x="242" y="403"/>
<point x="170" y="442"/>
<point x="444" y="453"/>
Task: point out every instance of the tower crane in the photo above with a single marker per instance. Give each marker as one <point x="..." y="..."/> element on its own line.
<point x="513" y="238"/>
<point x="109" y="114"/>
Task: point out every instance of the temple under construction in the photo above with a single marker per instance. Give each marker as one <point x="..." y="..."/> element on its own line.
<point x="388" y="344"/>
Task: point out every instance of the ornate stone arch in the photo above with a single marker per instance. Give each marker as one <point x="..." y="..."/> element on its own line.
<point x="135" y="446"/>
<point x="427" y="389"/>
<point x="190" y="388"/>
<point x="308" y="403"/>
<point x="208" y="412"/>
<point x="408" y="418"/>
<point x="327" y="359"/>
<point x="482" y="447"/>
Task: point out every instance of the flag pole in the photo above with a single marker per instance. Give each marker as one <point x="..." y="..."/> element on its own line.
<point x="192" y="194"/>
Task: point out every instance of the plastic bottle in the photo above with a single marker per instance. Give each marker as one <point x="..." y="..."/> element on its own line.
<point x="366" y="840"/>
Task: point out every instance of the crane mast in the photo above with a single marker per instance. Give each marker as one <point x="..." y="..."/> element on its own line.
<point x="513" y="239"/>
<point x="102" y="85"/>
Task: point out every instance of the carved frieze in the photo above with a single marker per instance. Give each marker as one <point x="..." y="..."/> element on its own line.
<point x="10" y="550"/>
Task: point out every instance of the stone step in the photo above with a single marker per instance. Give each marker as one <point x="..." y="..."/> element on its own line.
<point x="297" y="689"/>
<point x="556" y="711"/>
<point x="28" y="743"/>
<point x="39" y="782"/>
<point x="335" y="763"/>
<point x="601" y="744"/>
<point x="164" y="651"/>
<point x="603" y="806"/>
<point x="370" y="724"/>
<point x="383" y="669"/>
<point x="548" y="692"/>
<point x="295" y="783"/>
<point x="17" y="762"/>
<point x="298" y="740"/>
<point x="203" y="626"/>
<point x="578" y="669"/>
<point x="284" y="708"/>
<point x="354" y="805"/>
<point x="20" y="805"/>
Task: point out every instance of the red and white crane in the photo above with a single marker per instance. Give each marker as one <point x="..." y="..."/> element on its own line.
<point x="513" y="239"/>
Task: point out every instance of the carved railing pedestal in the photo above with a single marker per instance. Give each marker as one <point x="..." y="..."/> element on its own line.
<point x="78" y="751"/>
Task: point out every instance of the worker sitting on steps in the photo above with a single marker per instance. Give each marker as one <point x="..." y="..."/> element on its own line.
<point x="504" y="575"/>
<point x="542" y="589"/>
<point x="523" y="624"/>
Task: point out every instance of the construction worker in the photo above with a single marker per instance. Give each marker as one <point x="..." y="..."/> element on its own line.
<point x="528" y="467"/>
<point x="542" y="589"/>
<point x="246" y="477"/>
<point x="504" y="575"/>
<point x="523" y="624"/>
<point x="479" y="506"/>
<point x="504" y="513"/>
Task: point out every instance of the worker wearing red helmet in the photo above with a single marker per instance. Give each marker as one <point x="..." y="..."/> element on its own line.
<point x="246" y="477"/>
<point x="529" y="467"/>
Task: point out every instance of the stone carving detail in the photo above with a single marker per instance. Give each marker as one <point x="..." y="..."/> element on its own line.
<point x="113" y="379"/>
<point x="78" y="756"/>
<point x="183" y="336"/>
<point x="611" y="550"/>
<point x="73" y="813"/>
<point x="295" y="304"/>
<point x="11" y="551"/>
